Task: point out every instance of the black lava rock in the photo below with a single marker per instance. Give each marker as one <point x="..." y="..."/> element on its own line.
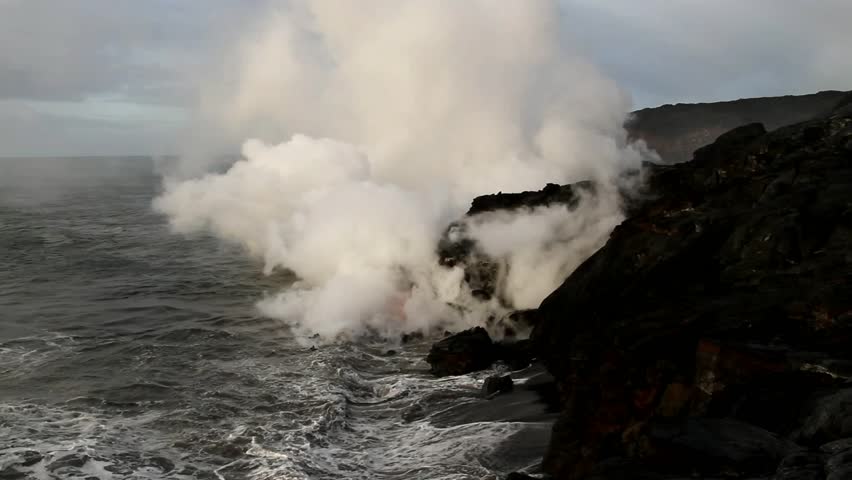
<point x="726" y="292"/>
<point x="462" y="353"/>
<point x="516" y="354"/>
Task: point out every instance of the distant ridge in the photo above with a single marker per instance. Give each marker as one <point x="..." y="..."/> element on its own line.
<point x="675" y="131"/>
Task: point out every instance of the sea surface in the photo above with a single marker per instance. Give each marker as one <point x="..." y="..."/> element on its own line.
<point x="129" y="352"/>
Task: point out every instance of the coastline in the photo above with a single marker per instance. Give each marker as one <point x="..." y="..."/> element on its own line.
<point x="710" y="335"/>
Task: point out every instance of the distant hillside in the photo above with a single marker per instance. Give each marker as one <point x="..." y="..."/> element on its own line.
<point x="675" y="131"/>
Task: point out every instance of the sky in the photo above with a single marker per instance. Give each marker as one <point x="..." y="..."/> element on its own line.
<point x="125" y="77"/>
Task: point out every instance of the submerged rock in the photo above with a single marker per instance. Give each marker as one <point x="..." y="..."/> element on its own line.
<point x="74" y="460"/>
<point x="497" y="384"/>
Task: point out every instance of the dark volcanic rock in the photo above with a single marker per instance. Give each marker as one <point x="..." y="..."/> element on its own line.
<point x="712" y="446"/>
<point x="801" y="466"/>
<point x="829" y="418"/>
<point x="725" y="293"/>
<point x="480" y="271"/>
<point x="675" y="131"/>
<point x="752" y="383"/>
<point x="568" y="195"/>
<point x="457" y="248"/>
<point x="497" y="384"/>
<point x="464" y="352"/>
<point x="516" y="355"/>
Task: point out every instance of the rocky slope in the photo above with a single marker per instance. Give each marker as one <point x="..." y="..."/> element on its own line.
<point x="711" y="337"/>
<point x="712" y="334"/>
<point x="675" y="131"/>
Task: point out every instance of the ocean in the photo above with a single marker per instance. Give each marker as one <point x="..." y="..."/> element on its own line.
<point x="130" y="352"/>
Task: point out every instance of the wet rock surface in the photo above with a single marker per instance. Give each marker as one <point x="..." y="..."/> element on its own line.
<point x="497" y="384"/>
<point x="551" y="194"/>
<point x="715" y="325"/>
<point x="462" y="353"/>
<point x="473" y="350"/>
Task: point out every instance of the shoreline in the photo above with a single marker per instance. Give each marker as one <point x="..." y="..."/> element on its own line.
<point x="690" y="333"/>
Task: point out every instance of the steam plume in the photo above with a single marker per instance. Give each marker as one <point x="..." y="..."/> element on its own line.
<point x="398" y="113"/>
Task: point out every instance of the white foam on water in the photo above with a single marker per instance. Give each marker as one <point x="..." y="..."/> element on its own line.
<point x="357" y="430"/>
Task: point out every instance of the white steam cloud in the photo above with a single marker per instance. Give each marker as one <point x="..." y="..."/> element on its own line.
<point x="398" y="113"/>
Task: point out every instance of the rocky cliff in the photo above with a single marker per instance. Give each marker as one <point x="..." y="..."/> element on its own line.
<point x="711" y="337"/>
<point x="675" y="131"/>
<point x="712" y="334"/>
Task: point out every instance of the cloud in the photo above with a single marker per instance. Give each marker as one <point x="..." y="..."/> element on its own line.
<point x="158" y="52"/>
<point x="53" y="50"/>
<point x="692" y="50"/>
<point x="135" y="61"/>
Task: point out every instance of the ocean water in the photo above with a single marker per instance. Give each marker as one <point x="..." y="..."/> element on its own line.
<point x="129" y="352"/>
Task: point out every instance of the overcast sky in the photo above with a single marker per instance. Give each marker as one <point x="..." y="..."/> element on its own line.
<point x="111" y="77"/>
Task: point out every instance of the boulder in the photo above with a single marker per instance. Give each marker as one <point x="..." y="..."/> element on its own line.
<point x="462" y="353"/>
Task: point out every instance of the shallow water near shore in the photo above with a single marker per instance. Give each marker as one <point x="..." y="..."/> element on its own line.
<point x="130" y="352"/>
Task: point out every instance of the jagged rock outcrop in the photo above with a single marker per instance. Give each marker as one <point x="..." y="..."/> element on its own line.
<point x="461" y="353"/>
<point x="675" y="131"/>
<point x="719" y="312"/>
<point x="457" y="248"/>
<point x="473" y="349"/>
<point x="552" y="193"/>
